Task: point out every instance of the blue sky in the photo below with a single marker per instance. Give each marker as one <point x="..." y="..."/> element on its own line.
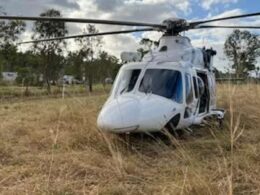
<point x="246" y="5"/>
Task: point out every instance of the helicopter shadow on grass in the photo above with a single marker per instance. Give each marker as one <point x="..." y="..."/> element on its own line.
<point x="152" y="143"/>
<point x="148" y="143"/>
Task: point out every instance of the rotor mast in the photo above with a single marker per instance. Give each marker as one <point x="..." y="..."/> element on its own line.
<point x="174" y="26"/>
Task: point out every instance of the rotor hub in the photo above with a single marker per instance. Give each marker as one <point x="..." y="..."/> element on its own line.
<point x="175" y="25"/>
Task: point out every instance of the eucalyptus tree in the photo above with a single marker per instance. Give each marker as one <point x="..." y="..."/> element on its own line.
<point x="9" y="34"/>
<point x="242" y="48"/>
<point x="108" y="66"/>
<point x="51" y="52"/>
<point x="147" y="46"/>
<point x="89" y="47"/>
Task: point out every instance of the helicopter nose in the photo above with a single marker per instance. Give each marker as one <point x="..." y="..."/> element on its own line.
<point x="119" y="115"/>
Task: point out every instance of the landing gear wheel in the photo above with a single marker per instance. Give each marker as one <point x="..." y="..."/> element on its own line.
<point x="172" y="124"/>
<point x="177" y="133"/>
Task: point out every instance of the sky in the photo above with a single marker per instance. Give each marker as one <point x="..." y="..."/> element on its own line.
<point x="154" y="11"/>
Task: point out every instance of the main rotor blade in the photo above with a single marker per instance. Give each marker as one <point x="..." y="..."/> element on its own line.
<point x="81" y="20"/>
<point x="91" y="35"/>
<point x="209" y="26"/>
<point x="224" y="18"/>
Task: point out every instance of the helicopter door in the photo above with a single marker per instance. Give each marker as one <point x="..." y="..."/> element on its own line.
<point x="197" y="91"/>
<point x="204" y="98"/>
<point x="191" y="100"/>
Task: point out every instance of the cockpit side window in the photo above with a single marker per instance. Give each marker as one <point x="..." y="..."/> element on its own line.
<point x="134" y="76"/>
<point x="195" y="87"/>
<point x="188" y="85"/>
<point x="126" y="81"/>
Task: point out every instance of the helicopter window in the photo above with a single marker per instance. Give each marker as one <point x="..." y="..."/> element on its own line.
<point x="162" y="82"/>
<point x="195" y="87"/>
<point x="201" y="86"/>
<point x="163" y="48"/>
<point x="128" y="80"/>
<point x="189" y="92"/>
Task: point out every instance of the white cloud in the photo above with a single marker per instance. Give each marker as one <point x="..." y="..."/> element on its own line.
<point x="118" y="43"/>
<point x="154" y="35"/>
<point x="207" y="4"/>
<point x="153" y="11"/>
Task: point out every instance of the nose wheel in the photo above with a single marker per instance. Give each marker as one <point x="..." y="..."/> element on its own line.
<point x="177" y="133"/>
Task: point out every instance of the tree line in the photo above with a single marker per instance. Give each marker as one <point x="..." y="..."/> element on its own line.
<point x="45" y="63"/>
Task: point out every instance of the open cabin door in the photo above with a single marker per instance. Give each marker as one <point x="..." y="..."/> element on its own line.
<point x="197" y="96"/>
<point x="191" y="98"/>
<point x="204" y="93"/>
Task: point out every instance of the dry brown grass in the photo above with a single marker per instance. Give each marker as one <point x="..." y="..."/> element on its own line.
<point x="53" y="147"/>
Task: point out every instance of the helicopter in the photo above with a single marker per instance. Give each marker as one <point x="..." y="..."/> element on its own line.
<point x="172" y="87"/>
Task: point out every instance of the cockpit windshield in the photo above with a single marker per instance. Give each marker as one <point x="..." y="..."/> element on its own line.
<point x="126" y="81"/>
<point x="163" y="82"/>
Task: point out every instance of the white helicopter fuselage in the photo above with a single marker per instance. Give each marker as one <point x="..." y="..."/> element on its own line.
<point x="171" y="87"/>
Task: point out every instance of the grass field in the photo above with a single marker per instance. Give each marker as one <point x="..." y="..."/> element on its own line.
<point x="52" y="146"/>
<point x="19" y="92"/>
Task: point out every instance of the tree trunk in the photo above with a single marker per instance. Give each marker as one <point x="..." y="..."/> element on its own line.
<point x="46" y="71"/>
<point x="48" y="86"/>
<point x="90" y="80"/>
<point x="237" y="72"/>
<point x="90" y="85"/>
<point x="88" y="76"/>
<point x="27" y="92"/>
